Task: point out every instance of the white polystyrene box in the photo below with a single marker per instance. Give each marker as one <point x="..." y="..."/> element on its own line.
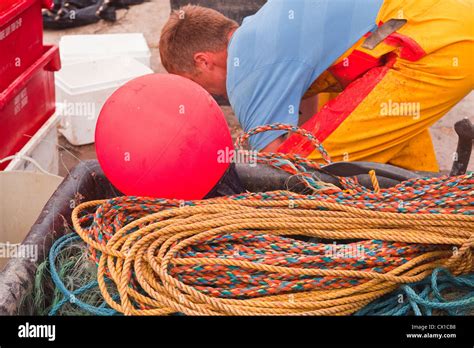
<point x="82" y="89"/>
<point x="42" y="148"/>
<point x="77" y="48"/>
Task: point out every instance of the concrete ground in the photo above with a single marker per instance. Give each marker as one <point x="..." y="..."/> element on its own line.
<point x="148" y="18"/>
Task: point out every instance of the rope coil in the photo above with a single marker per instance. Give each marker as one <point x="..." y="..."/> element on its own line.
<point x="238" y="255"/>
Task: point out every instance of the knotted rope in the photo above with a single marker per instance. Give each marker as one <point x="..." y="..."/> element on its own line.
<point x="234" y="255"/>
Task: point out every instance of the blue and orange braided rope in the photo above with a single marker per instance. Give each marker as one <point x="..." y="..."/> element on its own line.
<point x="236" y="255"/>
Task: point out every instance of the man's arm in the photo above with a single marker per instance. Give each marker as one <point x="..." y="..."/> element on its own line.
<point x="275" y="144"/>
<point x="271" y="94"/>
<point x="308" y="109"/>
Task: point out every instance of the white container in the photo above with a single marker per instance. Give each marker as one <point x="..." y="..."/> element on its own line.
<point x="22" y="198"/>
<point x="41" y="153"/>
<point x="77" y="48"/>
<point x="82" y="89"/>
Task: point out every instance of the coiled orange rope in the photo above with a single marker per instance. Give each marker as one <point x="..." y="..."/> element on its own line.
<point x="233" y="256"/>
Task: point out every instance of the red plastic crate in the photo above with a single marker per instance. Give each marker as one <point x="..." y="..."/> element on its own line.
<point x="21" y="37"/>
<point x="27" y="103"/>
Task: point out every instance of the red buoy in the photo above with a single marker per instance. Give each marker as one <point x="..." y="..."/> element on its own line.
<point x="160" y="136"/>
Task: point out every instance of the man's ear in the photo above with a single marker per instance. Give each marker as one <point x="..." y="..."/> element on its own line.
<point x="202" y="61"/>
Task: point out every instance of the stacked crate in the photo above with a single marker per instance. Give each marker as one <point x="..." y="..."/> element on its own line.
<point x="27" y="93"/>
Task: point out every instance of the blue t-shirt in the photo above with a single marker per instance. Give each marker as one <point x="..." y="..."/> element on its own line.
<point x="275" y="56"/>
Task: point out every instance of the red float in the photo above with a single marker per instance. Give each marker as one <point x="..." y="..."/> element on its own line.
<point x="161" y="136"/>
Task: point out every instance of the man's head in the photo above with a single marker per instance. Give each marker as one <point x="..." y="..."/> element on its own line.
<point x="194" y="43"/>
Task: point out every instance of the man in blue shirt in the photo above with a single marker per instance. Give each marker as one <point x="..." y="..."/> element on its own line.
<point x="267" y="65"/>
<point x="275" y="55"/>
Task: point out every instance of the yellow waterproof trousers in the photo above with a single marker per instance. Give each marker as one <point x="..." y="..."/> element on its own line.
<point x="390" y="125"/>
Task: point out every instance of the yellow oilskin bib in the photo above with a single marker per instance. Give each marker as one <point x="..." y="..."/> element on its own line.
<point x="431" y="71"/>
